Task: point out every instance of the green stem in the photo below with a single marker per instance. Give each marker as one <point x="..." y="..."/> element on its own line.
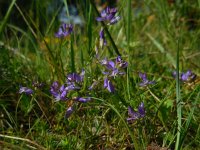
<point x="72" y="55"/>
<point x="178" y="102"/>
<point x="128" y="43"/>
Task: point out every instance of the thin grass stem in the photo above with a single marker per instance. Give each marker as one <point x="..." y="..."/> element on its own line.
<point x="178" y="102"/>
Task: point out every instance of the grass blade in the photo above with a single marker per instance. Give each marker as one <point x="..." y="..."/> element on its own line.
<point x="178" y="103"/>
<point x="6" y="17"/>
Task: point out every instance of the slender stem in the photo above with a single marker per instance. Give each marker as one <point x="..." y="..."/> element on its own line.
<point x="72" y="55"/>
<point x="178" y="102"/>
<point x="156" y="98"/>
<point x="23" y="139"/>
<point x="128" y="43"/>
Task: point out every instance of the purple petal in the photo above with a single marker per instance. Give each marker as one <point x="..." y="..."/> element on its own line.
<point x="105" y="73"/>
<point x="105" y="82"/>
<point x="115" y="19"/>
<point x="102" y="38"/>
<point x="118" y="59"/>
<point x="55" y="85"/>
<point x="151" y="82"/>
<point x="100" y="19"/>
<point x="115" y="72"/>
<point x="185" y="76"/>
<point x="63" y="94"/>
<point x="110" y="87"/>
<point x="143" y="76"/>
<point x="110" y="65"/>
<point x="69" y="111"/>
<point x="104" y="61"/>
<point x="64" y="30"/>
<point x="62" y="88"/>
<point x="83" y="100"/>
<point x="141" y="109"/>
<point x="132" y="114"/>
<point x="25" y="90"/>
<point x="123" y="65"/>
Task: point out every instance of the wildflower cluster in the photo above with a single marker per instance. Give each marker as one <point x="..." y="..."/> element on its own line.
<point x="73" y="83"/>
<point x="109" y="15"/>
<point x="134" y="115"/>
<point x="112" y="70"/>
<point x="71" y="89"/>
<point x="145" y="81"/>
<point x="64" y="30"/>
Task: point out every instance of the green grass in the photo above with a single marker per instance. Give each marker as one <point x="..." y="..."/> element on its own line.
<point x="152" y="36"/>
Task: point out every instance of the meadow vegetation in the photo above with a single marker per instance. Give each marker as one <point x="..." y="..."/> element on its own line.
<point x="125" y="78"/>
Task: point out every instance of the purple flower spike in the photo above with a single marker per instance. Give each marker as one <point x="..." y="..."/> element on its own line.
<point x="136" y="115"/>
<point x="108" y="85"/>
<point x="64" y="30"/>
<point x="69" y="111"/>
<point x="109" y="15"/>
<point x="26" y="90"/>
<point x="145" y="81"/>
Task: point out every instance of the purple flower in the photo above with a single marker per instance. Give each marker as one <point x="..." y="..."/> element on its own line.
<point x="145" y="81"/>
<point x="115" y="20"/>
<point x="64" y="30"/>
<point x="83" y="100"/>
<point x="108" y="85"/>
<point x="69" y="111"/>
<point x="74" y="77"/>
<point x="136" y="115"/>
<point x="122" y="63"/>
<point x="74" y="80"/>
<point x="102" y="38"/>
<point x="109" y="15"/>
<point x="189" y="75"/>
<point x="114" y="67"/>
<point x="25" y="90"/>
<point x="59" y="93"/>
<point x="174" y="74"/>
